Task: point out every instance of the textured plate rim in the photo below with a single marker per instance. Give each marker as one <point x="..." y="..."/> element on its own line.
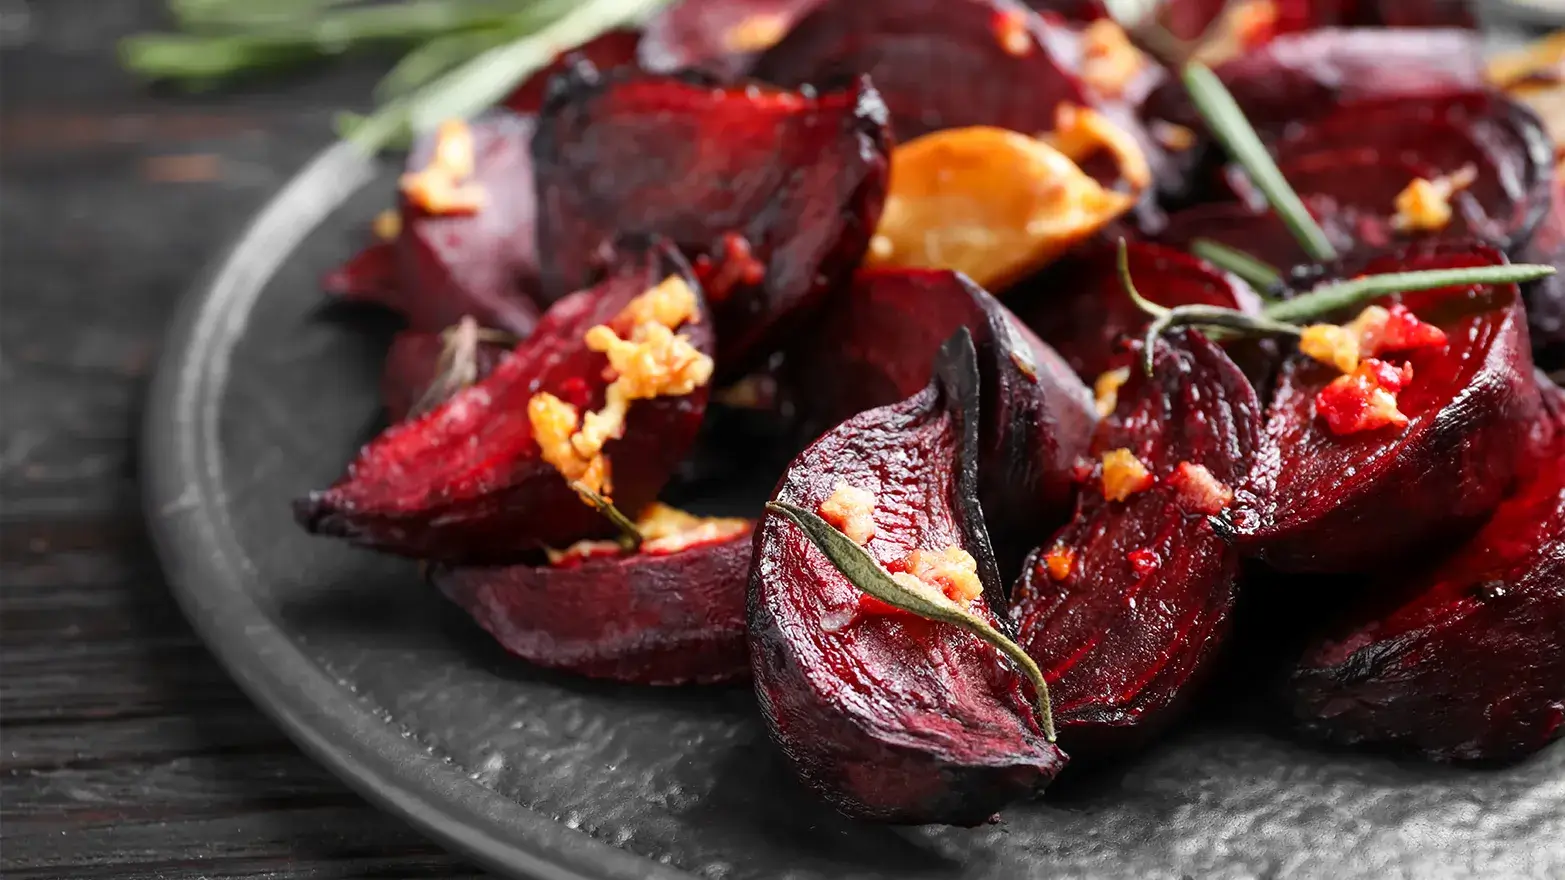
<point x="184" y="502"/>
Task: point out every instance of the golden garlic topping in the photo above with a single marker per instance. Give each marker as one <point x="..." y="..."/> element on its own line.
<point x="664" y="530"/>
<point x="1109" y="61"/>
<point x="1124" y="475"/>
<point x="996" y="204"/>
<point x="443" y="186"/>
<point x="1105" y="390"/>
<point x="851" y="510"/>
<point x="1425" y="205"/>
<point x="952" y="571"/>
<point x="653" y="362"/>
<point x="1376" y="330"/>
<point x="756" y="32"/>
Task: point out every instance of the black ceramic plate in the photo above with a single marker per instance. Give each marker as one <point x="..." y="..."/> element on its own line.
<point x="264" y="393"/>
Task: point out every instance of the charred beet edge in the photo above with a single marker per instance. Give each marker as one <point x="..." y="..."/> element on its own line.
<point x="1079" y="305"/>
<point x="722" y="37"/>
<point x="1125" y="608"/>
<point x="605" y="52"/>
<point x="775" y="193"/>
<point x="413" y="366"/>
<point x="442" y="268"/>
<point x="467" y="482"/>
<point x="888" y="715"/>
<point x="1466" y="660"/>
<point x="674" y="618"/>
<point x="871" y="347"/>
<point x="1362" y="501"/>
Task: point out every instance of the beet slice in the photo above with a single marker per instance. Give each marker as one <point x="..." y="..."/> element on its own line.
<point x="872" y="346"/>
<point x="648" y="618"/>
<point x="777" y="192"/>
<point x="1255" y="231"/>
<point x="722" y="37"/>
<point x="467" y="482"/>
<point x="1362" y="501"/>
<point x="890" y="716"/>
<point x="605" y="52"/>
<point x="413" y="366"/>
<point x="442" y="268"/>
<point x="1464" y="660"/>
<point x="1127" y="628"/>
<point x="1080" y="307"/>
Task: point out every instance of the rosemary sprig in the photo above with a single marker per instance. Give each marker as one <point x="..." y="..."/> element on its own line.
<point x="865" y="573"/>
<point x="1228" y="124"/>
<point x="630" y="537"/>
<point x="1356" y="292"/>
<point x="1256" y="272"/>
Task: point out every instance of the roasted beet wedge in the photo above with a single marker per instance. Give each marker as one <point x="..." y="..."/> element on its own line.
<point x="653" y="617"/>
<point x="443" y="268"/>
<point x="1255" y="231"/>
<point x="1125" y="608"/>
<point x="605" y="52"/>
<point x="722" y="37"/>
<point x="1465" y="660"/>
<point x="872" y="346"/>
<point x="1080" y="306"/>
<point x="1366" y="500"/>
<point x="890" y="716"/>
<point x="774" y="193"/>
<point x="422" y="369"/>
<point x="468" y="482"/>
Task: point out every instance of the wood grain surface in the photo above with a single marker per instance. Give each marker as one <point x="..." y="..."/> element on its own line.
<point x="125" y="751"/>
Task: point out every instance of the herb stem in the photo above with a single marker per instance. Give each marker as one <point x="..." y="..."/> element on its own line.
<point x="1356" y="292"/>
<point x="630" y="537"/>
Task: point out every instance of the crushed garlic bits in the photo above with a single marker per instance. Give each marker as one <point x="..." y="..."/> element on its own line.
<point x="756" y="33"/>
<point x="1105" y="390"/>
<point x="443" y="186"/>
<point x="1124" y="475"/>
<point x="851" y="510"/>
<point x="1425" y="205"/>
<point x="953" y="571"/>
<point x="664" y="530"/>
<point x="1376" y="330"/>
<point x="1110" y="62"/>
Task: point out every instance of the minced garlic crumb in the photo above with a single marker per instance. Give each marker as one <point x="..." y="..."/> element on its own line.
<point x="1200" y="490"/>
<point x="1109" y="60"/>
<point x="1060" y="562"/>
<point x="953" y="571"/>
<point x="653" y="362"/>
<point x="1425" y="205"/>
<point x="1105" y="390"/>
<point x="1173" y="137"/>
<point x="1010" y="28"/>
<point x="1081" y="132"/>
<point x="1366" y="399"/>
<point x="852" y="511"/>
<point x="1376" y="330"/>
<point x="1332" y="344"/>
<point x="666" y="529"/>
<point x="387" y="225"/>
<point x="756" y="32"/>
<point x="1124" y="475"/>
<point x="442" y="186"/>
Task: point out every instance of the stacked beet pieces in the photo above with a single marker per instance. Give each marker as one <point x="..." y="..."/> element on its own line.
<point x="1015" y="524"/>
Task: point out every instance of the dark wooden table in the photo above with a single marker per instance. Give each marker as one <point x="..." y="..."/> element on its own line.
<point x="125" y="751"/>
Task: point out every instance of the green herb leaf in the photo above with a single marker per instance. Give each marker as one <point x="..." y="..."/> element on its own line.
<point x="865" y="573"/>
<point x="1339" y="296"/>
<point x="1227" y="122"/>
<point x="1255" y="271"/>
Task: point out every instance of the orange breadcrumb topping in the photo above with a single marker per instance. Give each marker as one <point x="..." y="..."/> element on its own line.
<point x="653" y="362"/>
<point x="1105" y="390"/>
<point x="1010" y="28"/>
<point x="852" y="511"/>
<point x="1364" y="400"/>
<point x="1425" y="205"/>
<point x="1375" y="331"/>
<point x="387" y="225"/>
<point x="953" y="571"/>
<point x="1060" y="562"/>
<point x="1124" y="475"/>
<point x="442" y="186"/>
<point x="756" y="32"/>
<point x="1199" y="490"/>
<point x="1109" y="60"/>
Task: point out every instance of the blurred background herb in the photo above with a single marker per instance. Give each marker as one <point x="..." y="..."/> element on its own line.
<point x="457" y="57"/>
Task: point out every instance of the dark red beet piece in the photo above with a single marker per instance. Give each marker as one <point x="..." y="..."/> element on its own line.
<point x="1256" y="231"/>
<point x="466" y="481"/>
<point x="1188" y="19"/>
<point x="1362" y="501"/>
<point x="1131" y="628"/>
<point x="872" y="346"/>
<point x="890" y="716"/>
<point x="722" y="37"/>
<point x="1072" y="10"/>
<point x="1079" y="305"/>
<point x="442" y="268"/>
<point x="673" y="618"/>
<point x="777" y="191"/>
<point x="604" y="52"/>
<point x="1465" y="659"/>
<point x="413" y="366"/>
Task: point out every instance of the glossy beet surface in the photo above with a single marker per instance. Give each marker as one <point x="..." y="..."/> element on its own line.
<point x="1464" y="657"/>
<point x="1125" y="631"/>
<point x="1080" y="307"/>
<point x="872" y="346"/>
<point x="720" y="36"/>
<point x="605" y="52"/>
<point x="1361" y="501"/>
<point x="420" y="366"/>
<point x="466" y="481"/>
<point x="889" y="716"/>
<point x="672" y="618"/>
<point x="777" y="192"/>
<point x="442" y="268"/>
